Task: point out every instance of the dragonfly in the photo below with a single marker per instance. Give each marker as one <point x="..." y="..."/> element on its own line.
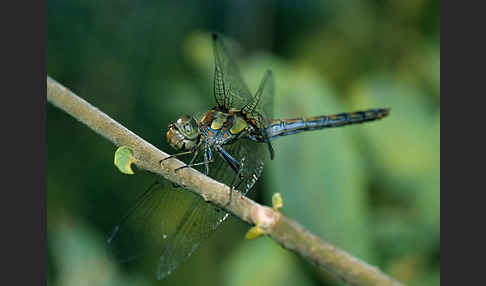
<point x="228" y="143"/>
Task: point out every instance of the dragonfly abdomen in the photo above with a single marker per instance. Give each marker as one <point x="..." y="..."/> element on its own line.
<point x="283" y="127"/>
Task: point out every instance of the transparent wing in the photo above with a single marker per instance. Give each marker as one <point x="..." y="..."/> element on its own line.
<point x="203" y="218"/>
<point x="164" y="228"/>
<point x="230" y="91"/>
<point x="251" y="157"/>
<point x="261" y="107"/>
<point x="200" y="221"/>
<point x="262" y="103"/>
<point x="167" y="225"/>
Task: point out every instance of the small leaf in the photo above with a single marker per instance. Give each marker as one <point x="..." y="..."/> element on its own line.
<point x="124" y="160"/>
<point x="277" y="201"/>
<point x="254" y="232"/>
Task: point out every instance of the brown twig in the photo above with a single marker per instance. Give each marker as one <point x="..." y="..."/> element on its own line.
<point x="283" y="230"/>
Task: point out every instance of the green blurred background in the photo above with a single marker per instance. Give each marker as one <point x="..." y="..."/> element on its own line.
<point x="372" y="190"/>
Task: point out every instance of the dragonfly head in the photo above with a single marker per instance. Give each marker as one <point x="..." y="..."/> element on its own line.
<point x="183" y="135"/>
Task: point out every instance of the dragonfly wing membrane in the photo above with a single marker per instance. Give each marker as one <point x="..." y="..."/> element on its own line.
<point x="160" y="233"/>
<point x="250" y="155"/>
<point x="198" y="224"/>
<point x="230" y="91"/>
<point x="262" y="102"/>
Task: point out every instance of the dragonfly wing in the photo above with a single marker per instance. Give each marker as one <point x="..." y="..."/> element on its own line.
<point x="164" y="228"/>
<point x="262" y="102"/>
<point x="250" y="155"/>
<point x="202" y="218"/>
<point x="230" y="91"/>
<point x="200" y="222"/>
<point x="261" y="107"/>
<point x="167" y="225"/>
<point x="267" y="98"/>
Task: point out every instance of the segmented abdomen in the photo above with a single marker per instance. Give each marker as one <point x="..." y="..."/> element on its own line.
<point x="283" y="127"/>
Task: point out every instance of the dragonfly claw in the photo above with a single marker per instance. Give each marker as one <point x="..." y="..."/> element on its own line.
<point x="162" y="160"/>
<point x="177" y="169"/>
<point x="230" y="196"/>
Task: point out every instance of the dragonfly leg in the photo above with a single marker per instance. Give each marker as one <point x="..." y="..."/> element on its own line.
<point x="235" y="165"/>
<point x="269" y="144"/>
<point x="190" y="163"/>
<point x="206" y="161"/>
<point x="233" y="187"/>
<point x="194" y="157"/>
<point x="193" y="150"/>
<point x="176" y="155"/>
<point x="265" y="136"/>
<point x="193" y="165"/>
<point x="208" y="156"/>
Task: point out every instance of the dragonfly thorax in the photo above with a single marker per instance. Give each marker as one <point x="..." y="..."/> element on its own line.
<point x="220" y="128"/>
<point x="183" y="134"/>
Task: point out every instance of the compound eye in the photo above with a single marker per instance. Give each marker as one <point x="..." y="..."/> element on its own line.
<point x="187" y="127"/>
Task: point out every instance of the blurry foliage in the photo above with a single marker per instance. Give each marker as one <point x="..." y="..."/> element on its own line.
<point x="372" y="189"/>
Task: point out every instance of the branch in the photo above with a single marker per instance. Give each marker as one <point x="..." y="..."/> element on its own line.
<point x="283" y="230"/>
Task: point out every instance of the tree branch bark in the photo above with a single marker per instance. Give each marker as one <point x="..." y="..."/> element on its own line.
<point x="283" y="230"/>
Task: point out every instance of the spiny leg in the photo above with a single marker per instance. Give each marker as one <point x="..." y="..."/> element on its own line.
<point x="269" y="144"/>
<point x="235" y="166"/>
<point x="194" y="151"/>
<point x="190" y="162"/>
<point x="193" y="165"/>
<point x="194" y="157"/>
<point x="208" y="158"/>
<point x="233" y="187"/>
<point x="176" y="155"/>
